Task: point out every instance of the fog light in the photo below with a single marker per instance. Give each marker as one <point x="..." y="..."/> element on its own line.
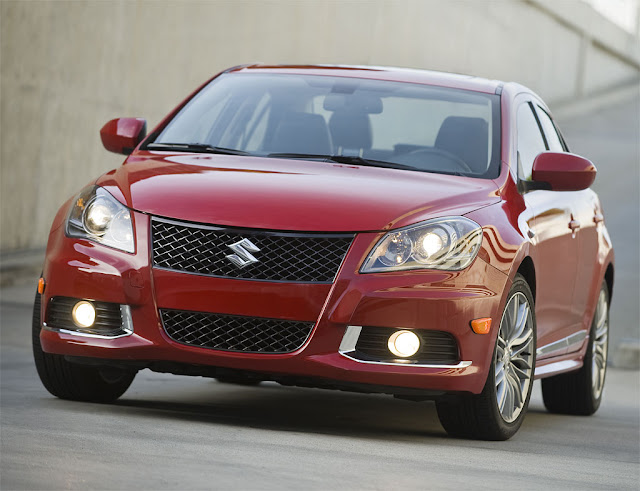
<point x="84" y="314"/>
<point x="404" y="343"/>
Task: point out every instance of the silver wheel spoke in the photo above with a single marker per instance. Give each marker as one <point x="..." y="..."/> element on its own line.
<point x="501" y="346"/>
<point x="499" y="374"/>
<point x="521" y="324"/>
<point x="599" y="344"/>
<point x="502" y="394"/>
<point x="520" y="345"/>
<point x="601" y="332"/>
<point x="516" y="389"/>
<point x="522" y="373"/>
<point x="514" y="318"/>
<point x="506" y="402"/>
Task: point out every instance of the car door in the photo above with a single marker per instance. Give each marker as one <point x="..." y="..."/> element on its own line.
<point x="554" y="243"/>
<point x="587" y="215"/>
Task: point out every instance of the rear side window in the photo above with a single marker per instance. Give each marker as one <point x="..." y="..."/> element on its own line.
<point x="553" y="140"/>
<point x="530" y="141"/>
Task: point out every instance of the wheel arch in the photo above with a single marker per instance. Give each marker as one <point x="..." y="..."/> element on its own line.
<point x="608" y="277"/>
<point x="528" y="271"/>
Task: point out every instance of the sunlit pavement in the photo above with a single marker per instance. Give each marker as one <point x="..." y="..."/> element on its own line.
<point x="170" y="432"/>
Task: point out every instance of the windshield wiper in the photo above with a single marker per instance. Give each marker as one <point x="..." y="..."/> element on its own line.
<point x="344" y="159"/>
<point x="195" y="147"/>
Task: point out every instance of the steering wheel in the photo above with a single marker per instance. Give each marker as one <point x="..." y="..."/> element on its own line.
<point x="435" y="158"/>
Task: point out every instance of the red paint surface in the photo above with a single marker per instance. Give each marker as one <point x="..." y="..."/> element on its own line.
<point x="256" y="192"/>
<point x="564" y="171"/>
<point x="122" y="135"/>
<point x="569" y="265"/>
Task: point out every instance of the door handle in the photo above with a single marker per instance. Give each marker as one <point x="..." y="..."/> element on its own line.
<point x="574" y="225"/>
<point x="598" y="218"/>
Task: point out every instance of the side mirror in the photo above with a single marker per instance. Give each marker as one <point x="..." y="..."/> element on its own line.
<point x="122" y="135"/>
<point x="563" y="171"/>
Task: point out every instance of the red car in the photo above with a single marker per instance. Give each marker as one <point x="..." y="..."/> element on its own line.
<point x="380" y="230"/>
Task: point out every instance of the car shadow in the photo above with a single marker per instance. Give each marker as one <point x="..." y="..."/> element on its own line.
<point x="273" y="407"/>
<point x="269" y="406"/>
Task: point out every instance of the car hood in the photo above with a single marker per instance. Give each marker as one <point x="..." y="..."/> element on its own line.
<point x="279" y="194"/>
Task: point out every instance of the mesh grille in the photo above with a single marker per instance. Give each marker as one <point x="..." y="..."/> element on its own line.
<point x="437" y="347"/>
<point x="282" y="256"/>
<point x="108" y="317"/>
<point x="235" y="333"/>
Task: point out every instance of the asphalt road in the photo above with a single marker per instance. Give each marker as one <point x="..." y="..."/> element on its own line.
<point x="170" y="432"/>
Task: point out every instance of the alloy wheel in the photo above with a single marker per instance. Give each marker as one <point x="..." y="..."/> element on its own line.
<point x="514" y="357"/>
<point x="599" y="345"/>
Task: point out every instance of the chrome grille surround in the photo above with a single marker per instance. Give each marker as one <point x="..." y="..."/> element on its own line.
<point x="235" y="333"/>
<point x="283" y="256"/>
<point x="436" y="347"/>
<point x="112" y="320"/>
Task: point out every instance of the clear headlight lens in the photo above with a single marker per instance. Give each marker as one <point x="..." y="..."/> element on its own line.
<point x="450" y="243"/>
<point x="98" y="216"/>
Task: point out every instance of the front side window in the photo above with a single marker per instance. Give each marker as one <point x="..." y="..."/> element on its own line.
<point x="369" y="122"/>
<point x="551" y="134"/>
<point x="530" y="141"/>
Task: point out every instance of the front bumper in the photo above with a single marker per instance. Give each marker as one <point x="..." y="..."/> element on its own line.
<point x="437" y="300"/>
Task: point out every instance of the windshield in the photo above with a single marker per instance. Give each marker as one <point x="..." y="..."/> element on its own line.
<point x="365" y="122"/>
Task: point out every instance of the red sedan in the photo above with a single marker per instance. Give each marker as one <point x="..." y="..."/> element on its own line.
<point x="407" y="232"/>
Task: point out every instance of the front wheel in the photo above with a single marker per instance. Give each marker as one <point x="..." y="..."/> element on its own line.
<point x="498" y="411"/>
<point x="580" y="392"/>
<point x="72" y="381"/>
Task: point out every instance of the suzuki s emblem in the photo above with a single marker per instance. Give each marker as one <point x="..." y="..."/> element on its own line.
<point x="243" y="249"/>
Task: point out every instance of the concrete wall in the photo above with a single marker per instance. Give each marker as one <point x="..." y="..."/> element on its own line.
<point x="68" y="67"/>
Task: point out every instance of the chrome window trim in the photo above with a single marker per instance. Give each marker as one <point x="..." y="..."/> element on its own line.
<point x="348" y="347"/>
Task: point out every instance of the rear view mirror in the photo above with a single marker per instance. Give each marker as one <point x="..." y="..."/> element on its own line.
<point x="122" y="135"/>
<point x="563" y="171"/>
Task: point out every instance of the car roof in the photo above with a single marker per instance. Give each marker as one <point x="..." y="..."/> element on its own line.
<point x="427" y="77"/>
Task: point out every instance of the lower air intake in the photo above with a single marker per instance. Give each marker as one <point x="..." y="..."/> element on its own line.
<point x="112" y="320"/>
<point x="436" y="347"/>
<point x="235" y="333"/>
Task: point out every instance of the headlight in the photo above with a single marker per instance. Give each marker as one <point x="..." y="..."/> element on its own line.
<point x="444" y="243"/>
<point x="98" y="216"/>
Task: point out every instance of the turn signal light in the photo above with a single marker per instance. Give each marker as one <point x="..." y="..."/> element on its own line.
<point x="41" y="286"/>
<point x="481" y="326"/>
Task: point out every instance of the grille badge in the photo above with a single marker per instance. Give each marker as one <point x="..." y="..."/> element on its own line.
<point x="243" y="249"/>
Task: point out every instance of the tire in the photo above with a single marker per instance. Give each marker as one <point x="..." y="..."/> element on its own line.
<point x="73" y="381"/>
<point x="498" y="411"/>
<point x="580" y="392"/>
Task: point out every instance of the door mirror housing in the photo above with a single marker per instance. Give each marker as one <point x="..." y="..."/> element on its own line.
<point x="563" y="171"/>
<point x="122" y="135"/>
